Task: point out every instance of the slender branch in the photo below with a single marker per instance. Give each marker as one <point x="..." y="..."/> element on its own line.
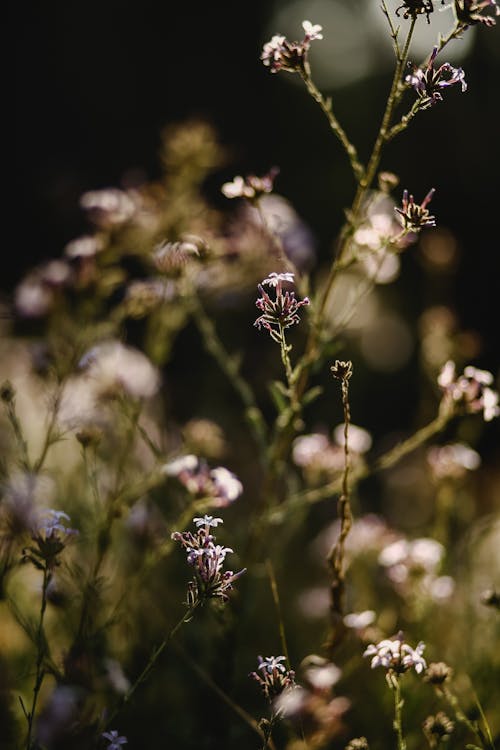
<point x="40" y="672"/>
<point x="326" y="106"/>
<point x="276" y="599"/>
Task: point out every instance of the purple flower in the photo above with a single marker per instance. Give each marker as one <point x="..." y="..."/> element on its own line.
<point x="115" y="741"/>
<point x="282" y="311"/>
<point x="51" y="537"/>
<point x="273" y="676"/>
<point x="428" y="82"/>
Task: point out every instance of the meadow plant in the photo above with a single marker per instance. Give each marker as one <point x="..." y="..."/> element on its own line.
<point x="138" y="398"/>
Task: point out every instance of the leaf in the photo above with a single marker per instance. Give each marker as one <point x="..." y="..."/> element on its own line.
<point x="279" y="394"/>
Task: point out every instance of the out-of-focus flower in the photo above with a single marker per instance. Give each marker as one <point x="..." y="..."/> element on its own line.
<point x="115" y="740"/>
<point x="469" y="392"/>
<point x="144" y="295"/>
<point x="452" y="461"/>
<point x="86" y="246"/>
<point x="360" y="440"/>
<point x="360" y="620"/>
<point x="468" y="12"/>
<point x="282" y="311"/>
<point x="320" y="673"/>
<point x="437" y="673"/>
<point x="358" y="743"/>
<point x="428" y="82"/>
<point x="114" y="367"/>
<point x="396" y="655"/>
<point x="204" y="437"/>
<point x="35" y="294"/>
<point x="318" y="458"/>
<point x="280" y="54"/>
<point x="109" y="207"/>
<point x="437" y="729"/>
<point x="171" y="258"/>
<point x="415" y="216"/>
<point x="219" y="486"/>
<point x="210" y="581"/>
<point x="250" y="186"/>
<point x="413" y="8"/>
<point x="51" y="537"/>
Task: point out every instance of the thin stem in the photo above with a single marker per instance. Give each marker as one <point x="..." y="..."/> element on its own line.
<point x="230" y="365"/>
<point x="51" y="434"/>
<point x="186" y="617"/>
<point x="203" y="675"/>
<point x="336" y="556"/>
<point x="463" y="719"/>
<point x="10" y="408"/>
<point x="398" y="715"/>
<point x="393" y="30"/>
<point x="39" y="673"/>
<point x="276" y="599"/>
<point x="326" y="106"/>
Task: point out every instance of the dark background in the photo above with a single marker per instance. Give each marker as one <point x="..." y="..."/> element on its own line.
<point x="96" y="82"/>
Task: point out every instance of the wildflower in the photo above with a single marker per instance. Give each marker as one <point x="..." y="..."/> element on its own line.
<point x="115" y="741"/>
<point x="415" y="216"/>
<point x="437" y="673"/>
<point x="250" y="186"/>
<point x="86" y="246"/>
<point x="282" y="311"/>
<point x="468" y="12"/>
<point x="341" y="370"/>
<point x="51" y="537"/>
<point x="469" y="392"/>
<point x="210" y="581"/>
<point x="108" y="207"/>
<point x="358" y="743"/>
<point x="171" y="258"/>
<point x="437" y="728"/>
<point x="280" y="54"/>
<point x="219" y="486"/>
<point x="397" y="656"/>
<point x="320" y="673"/>
<point x="273" y="676"/>
<point x="428" y="82"/>
<point x="360" y="620"/>
<point x="414" y="8"/>
<point x="452" y="461"/>
<point x="114" y="367"/>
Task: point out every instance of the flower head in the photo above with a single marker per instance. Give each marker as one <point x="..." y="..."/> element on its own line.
<point x="397" y="656"/>
<point x="210" y="581"/>
<point x="250" y="186"/>
<point x="428" y="81"/>
<point x="282" y="311"/>
<point x="219" y="486"/>
<point x="415" y="216"/>
<point x="280" y="54"/>
<point x="51" y="537"/>
<point x="273" y="676"/>
<point x="469" y="392"/>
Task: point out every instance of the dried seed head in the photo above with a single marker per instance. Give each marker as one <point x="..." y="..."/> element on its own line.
<point x="341" y="370"/>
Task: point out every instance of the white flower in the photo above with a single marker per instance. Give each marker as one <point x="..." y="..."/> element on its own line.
<point x="207" y="521"/>
<point x="359" y="440"/>
<point x="238" y="188"/>
<point x="113" y="366"/>
<point x="360" y="620"/>
<point x="395" y="654"/>
<point x="446" y="376"/>
<point x="306" y="447"/>
<point x="227" y="484"/>
<point x="276" y="278"/>
<point x="312" y="31"/>
<point x="490" y="404"/>
<point x="178" y="465"/>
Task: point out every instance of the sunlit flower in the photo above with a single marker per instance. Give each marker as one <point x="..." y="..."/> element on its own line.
<point x="273" y="676"/>
<point x="114" y="367"/>
<point x="250" y="186"/>
<point x="108" y="207"/>
<point x="280" y="54"/>
<point x="469" y="392"/>
<point x="396" y="655"/>
<point x="219" y="486"/>
<point x="452" y="460"/>
<point x="429" y="82"/>
<point x="416" y="216"/>
<point x="282" y="311"/>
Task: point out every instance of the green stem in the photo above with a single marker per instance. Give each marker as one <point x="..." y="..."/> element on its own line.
<point x="398" y="715"/>
<point x="151" y="663"/>
<point x="39" y="673"/>
<point x="276" y="599"/>
<point x="326" y="106"/>
<point x="463" y="719"/>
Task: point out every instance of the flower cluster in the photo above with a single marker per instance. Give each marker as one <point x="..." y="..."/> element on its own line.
<point x="282" y="311"/>
<point x="219" y="486"/>
<point x="412" y="566"/>
<point x="470" y="391"/>
<point x="397" y="656"/>
<point x="415" y="216"/>
<point x="428" y="81"/>
<point x="452" y="461"/>
<point x="51" y="537"/>
<point x="207" y="558"/>
<point x="280" y="54"/>
<point x="272" y="676"/>
<point x="250" y="186"/>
